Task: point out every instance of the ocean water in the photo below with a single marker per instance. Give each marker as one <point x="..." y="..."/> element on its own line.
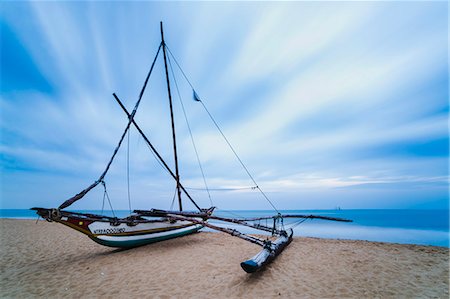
<point x="425" y="227"/>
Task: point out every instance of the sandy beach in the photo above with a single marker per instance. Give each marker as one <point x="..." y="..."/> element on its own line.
<point x="53" y="261"/>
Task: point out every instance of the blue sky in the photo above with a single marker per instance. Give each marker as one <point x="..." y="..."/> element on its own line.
<point x="327" y="103"/>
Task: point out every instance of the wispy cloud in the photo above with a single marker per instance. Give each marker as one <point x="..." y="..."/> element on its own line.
<point x="316" y="98"/>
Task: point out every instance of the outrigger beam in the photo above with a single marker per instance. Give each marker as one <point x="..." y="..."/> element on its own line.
<point x="271" y="230"/>
<point x="229" y="231"/>
<point x="298" y="216"/>
<point x="270" y="249"/>
<point x="163" y="213"/>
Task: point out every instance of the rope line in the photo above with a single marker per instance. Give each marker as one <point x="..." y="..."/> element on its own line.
<point x="223" y="135"/>
<point x="184" y="75"/>
<point x="239" y="159"/>
<point x="103" y="202"/>
<point x="157" y="160"/>
<point x="297" y="223"/>
<point x="151" y="151"/>
<point x="190" y="132"/>
<point x="189" y="129"/>
<point x="173" y="200"/>
<point x="105" y="194"/>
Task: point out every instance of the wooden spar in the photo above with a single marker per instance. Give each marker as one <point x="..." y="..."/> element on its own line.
<point x="55" y="214"/>
<point x="189" y="216"/>
<point x="154" y="150"/>
<point x="229" y="231"/>
<point x="172" y="120"/>
<point x="299" y="216"/>
<point x="270" y="251"/>
<point x="81" y="194"/>
<point x="244" y="223"/>
<point x="163" y="213"/>
<point x="319" y="217"/>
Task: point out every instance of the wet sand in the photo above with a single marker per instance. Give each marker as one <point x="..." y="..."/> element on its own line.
<point x="50" y="260"/>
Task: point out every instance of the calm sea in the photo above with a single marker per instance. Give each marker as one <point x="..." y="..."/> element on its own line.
<point x="427" y="227"/>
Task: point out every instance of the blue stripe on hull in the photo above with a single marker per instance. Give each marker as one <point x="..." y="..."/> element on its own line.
<point x="149" y="240"/>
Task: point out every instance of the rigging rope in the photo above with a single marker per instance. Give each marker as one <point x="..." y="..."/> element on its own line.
<point x="190" y="131"/>
<point x="157" y="160"/>
<point x="239" y="159"/>
<point x="184" y="75"/>
<point x="165" y="169"/>
<point x="297" y="223"/>
<point x="223" y="135"/>
<point x="173" y="199"/>
<point x="103" y="201"/>
<point x="105" y="194"/>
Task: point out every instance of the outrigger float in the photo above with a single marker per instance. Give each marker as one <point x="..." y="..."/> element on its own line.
<point x="148" y="226"/>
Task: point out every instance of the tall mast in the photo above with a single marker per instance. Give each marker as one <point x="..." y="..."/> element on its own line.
<point x="177" y="174"/>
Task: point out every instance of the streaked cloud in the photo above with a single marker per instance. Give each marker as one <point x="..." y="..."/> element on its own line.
<point x="335" y="104"/>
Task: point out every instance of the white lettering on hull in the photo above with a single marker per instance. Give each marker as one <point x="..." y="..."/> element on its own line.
<point x="109" y="231"/>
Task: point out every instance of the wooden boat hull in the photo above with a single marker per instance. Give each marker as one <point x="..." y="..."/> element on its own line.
<point x="134" y="240"/>
<point x="121" y="233"/>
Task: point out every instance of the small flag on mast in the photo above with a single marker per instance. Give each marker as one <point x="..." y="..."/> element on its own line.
<point x="196" y="97"/>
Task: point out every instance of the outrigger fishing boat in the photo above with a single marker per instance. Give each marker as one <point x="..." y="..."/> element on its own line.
<point x="147" y="226"/>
